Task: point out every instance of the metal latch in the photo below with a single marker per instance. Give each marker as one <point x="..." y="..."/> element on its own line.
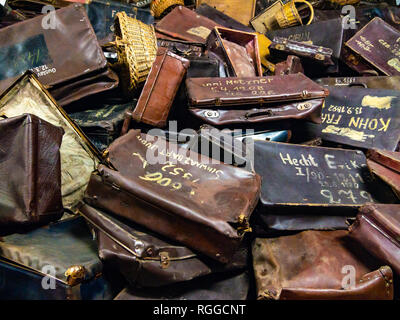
<point x="164" y="260"/>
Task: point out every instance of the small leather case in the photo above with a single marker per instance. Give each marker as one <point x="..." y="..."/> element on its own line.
<point x="377" y="43"/>
<point x="283" y="47"/>
<point x="238" y="50"/>
<point x="160" y="89"/>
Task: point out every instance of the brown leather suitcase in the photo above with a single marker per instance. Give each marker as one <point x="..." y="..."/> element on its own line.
<point x="377" y="229"/>
<point x="146" y="259"/>
<point x="79" y="157"/>
<point x="240" y="10"/>
<point x="184" y="24"/>
<point x="238" y="50"/>
<point x="27" y="45"/>
<point x="159" y="91"/>
<point x="389" y="159"/>
<point x="318" y="265"/>
<point x="377" y="44"/>
<point x="224" y="101"/>
<point x="31" y="176"/>
<point x="202" y="203"/>
<point x="391" y="177"/>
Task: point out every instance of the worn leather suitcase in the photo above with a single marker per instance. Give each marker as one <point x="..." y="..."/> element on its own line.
<point x="318" y="265"/>
<point x="364" y="118"/>
<point x="332" y="180"/>
<point x="223" y="101"/>
<point x="391" y="177"/>
<point x="185" y="24"/>
<point x="377" y="230"/>
<point x="175" y="193"/>
<point x="310" y="54"/>
<point x="56" y="262"/>
<point x="31" y="174"/>
<point x="101" y="14"/>
<point x="237" y="49"/>
<point x="43" y="51"/>
<point x="387" y="158"/>
<point x="313" y="34"/>
<point x="241" y="11"/>
<point x="146" y="259"/>
<point x="231" y="287"/>
<point x="103" y="125"/>
<point x="79" y="157"/>
<point x="377" y="44"/>
<point x="159" y="91"/>
<point x="378" y="82"/>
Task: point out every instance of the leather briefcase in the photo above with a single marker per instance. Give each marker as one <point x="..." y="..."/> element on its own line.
<point x="102" y="126"/>
<point x="309" y="53"/>
<point x="230" y="287"/>
<point x="185" y="24"/>
<point x="379" y="82"/>
<point x="332" y="180"/>
<point x="159" y="91"/>
<point x="223" y="101"/>
<point x="30" y="167"/>
<point x="56" y="262"/>
<point x="101" y="14"/>
<point x="313" y="34"/>
<point x="377" y="230"/>
<point x="43" y="51"/>
<point x="79" y="157"/>
<point x="241" y="11"/>
<point x="146" y="259"/>
<point x="318" y="265"/>
<point x="377" y="44"/>
<point x="238" y="50"/>
<point x="211" y="202"/>
<point x="364" y="118"/>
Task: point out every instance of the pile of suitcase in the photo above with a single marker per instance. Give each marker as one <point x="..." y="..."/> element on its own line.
<point x="208" y="149"/>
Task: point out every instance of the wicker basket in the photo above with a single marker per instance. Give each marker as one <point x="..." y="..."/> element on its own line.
<point x="288" y="16"/>
<point x="136" y="44"/>
<point x="161" y="7"/>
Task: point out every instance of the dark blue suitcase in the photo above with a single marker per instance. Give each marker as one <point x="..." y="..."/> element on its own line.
<point x="55" y="262"/>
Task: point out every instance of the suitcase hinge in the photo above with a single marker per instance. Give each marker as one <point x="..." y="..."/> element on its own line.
<point x="164" y="260"/>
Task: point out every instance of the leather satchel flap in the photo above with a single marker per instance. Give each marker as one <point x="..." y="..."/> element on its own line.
<point x="160" y="88"/>
<point x="250" y="91"/>
<point x="44" y="50"/>
<point x="185" y="24"/>
<point x="329" y="177"/>
<point x="364" y="118"/>
<point x="377" y="44"/>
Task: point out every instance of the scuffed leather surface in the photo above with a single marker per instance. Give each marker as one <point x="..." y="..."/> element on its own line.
<point x="205" y="208"/>
<point x="378" y="82"/>
<point x="30" y="178"/>
<point x="377" y="229"/>
<point x="309" y="266"/>
<point x="135" y="252"/>
<point x="77" y="161"/>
